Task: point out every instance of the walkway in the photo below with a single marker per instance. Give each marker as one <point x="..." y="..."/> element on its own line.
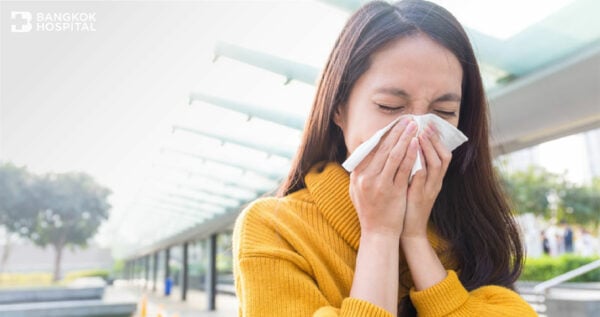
<point x="172" y="306"/>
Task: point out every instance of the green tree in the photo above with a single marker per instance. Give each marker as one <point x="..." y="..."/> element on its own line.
<point x="17" y="207"/>
<point x="71" y="207"/>
<point x="531" y="190"/>
<point x="581" y="203"/>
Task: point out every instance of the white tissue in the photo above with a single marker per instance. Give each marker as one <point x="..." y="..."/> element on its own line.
<point x="450" y="136"/>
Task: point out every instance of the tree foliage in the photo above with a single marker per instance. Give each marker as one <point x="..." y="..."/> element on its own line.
<point x="534" y="189"/>
<point x="581" y="203"/>
<point x="71" y="208"/>
<point x="531" y="190"/>
<point x="17" y="207"/>
<point x="57" y="210"/>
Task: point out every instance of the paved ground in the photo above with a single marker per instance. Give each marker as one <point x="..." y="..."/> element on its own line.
<point x="172" y="306"/>
<point x="195" y="306"/>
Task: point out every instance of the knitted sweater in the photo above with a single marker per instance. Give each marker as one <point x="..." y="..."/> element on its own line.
<point x="295" y="256"/>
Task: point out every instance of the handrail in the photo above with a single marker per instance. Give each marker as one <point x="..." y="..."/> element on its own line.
<point x="542" y="287"/>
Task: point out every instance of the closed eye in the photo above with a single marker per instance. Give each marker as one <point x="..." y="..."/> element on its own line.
<point x="446" y="113"/>
<point x="389" y="109"/>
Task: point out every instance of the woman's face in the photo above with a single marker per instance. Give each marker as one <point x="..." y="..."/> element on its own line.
<point x="412" y="75"/>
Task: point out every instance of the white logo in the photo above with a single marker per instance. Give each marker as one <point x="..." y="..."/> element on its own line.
<point x="25" y="21"/>
<point x="24" y="18"/>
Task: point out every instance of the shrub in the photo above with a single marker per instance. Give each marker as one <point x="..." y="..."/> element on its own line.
<point x="87" y="273"/>
<point x="545" y="268"/>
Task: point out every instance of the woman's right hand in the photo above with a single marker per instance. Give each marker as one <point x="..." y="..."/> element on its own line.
<point x="378" y="185"/>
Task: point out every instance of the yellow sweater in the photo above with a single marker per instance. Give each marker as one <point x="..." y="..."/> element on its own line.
<point x="295" y="256"/>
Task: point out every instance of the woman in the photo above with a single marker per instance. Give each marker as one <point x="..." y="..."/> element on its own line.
<point x="368" y="243"/>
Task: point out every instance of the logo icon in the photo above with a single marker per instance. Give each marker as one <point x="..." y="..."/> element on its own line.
<point x="24" y="17"/>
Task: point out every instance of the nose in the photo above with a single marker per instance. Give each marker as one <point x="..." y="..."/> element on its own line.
<point x="419" y="109"/>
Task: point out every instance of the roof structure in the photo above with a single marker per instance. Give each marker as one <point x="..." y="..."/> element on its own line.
<point x="543" y="82"/>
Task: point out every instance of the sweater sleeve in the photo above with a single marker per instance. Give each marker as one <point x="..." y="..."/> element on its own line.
<point x="270" y="286"/>
<point x="450" y="298"/>
<point x="272" y="279"/>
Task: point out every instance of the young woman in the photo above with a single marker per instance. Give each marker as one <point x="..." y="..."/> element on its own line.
<point x="369" y="243"/>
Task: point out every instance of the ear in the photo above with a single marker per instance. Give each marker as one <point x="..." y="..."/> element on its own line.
<point x="338" y="117"/>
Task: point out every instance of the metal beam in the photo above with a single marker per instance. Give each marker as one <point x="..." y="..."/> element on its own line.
<point x="202" y="210"/>
<point x="267" y="173"/>
<point x="154" y="270"/>
<point x="248" y="194"/>
<point x="217" y="178"/>
<point x="179" y="212"/>
<point x="197" y="232"/>
<point x="146" y="271"/>
<point x="282" y="152"/>
<point x="167" y="269"/>
<point x="289" y="69"/>
<point x="227" y="202"/>
<point x="170" y="210"/>
<point x="211" y="273"/>
<point x="184" y="278"/>
<point x="574" y="81"/>
<point x="279" y="117"/>
<point x="346" y="5"/>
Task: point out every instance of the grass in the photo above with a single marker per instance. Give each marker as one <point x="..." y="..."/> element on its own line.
<point x="545" y="268"/>
<point x="44" y="279"/>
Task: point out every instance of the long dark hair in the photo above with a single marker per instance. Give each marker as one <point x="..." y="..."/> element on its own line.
<point x="471" y="211"/>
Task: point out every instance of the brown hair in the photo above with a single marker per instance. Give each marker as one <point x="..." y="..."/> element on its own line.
<point x="471" y="211"/>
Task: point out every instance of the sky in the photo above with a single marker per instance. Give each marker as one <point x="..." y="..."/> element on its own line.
<point x="104" y="102"/>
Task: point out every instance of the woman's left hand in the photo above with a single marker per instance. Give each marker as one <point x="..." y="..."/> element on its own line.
<point x="426" y="183"/>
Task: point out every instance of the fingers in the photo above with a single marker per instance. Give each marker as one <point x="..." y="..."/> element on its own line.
<point x="430" y="155"/>
<point x="401" y="173"/>
<point x="437" y="157"/>
<point x="419" y="178"/>
<point x="444" y="154"/>
<point x="382" y="150"/>
<point x="398" y="152"/>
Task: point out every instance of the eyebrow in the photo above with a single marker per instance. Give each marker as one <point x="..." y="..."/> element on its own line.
<point x="401" y="93"/>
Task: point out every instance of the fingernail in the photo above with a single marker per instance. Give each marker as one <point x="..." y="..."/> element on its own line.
<point x="414" y="142"/>
<point x="428" y="131"/>
<point x="432" y="127"/>
<point x="412" y="126"/>
<point x="404" y="121"/>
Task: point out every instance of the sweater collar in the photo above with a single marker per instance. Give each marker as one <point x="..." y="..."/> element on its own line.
<point x="329" y="185"/>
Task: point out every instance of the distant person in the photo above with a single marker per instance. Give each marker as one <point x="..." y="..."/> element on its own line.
<point x="369" y="243"/>
<point x="545" y="243"/>
<point x="568" y="237"/>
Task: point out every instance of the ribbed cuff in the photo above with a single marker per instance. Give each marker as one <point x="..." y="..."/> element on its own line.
<point x="440" y="299"/>
<point x="357" y="307"/>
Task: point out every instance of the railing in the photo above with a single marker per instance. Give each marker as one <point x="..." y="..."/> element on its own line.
<point x="537" y="297"/>
<point x="542" y="287"/>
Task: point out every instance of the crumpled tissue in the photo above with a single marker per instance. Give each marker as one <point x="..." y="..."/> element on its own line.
<point x="450" y="136"/>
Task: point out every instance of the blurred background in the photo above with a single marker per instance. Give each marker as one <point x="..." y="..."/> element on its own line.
<point x="132" y="133"/>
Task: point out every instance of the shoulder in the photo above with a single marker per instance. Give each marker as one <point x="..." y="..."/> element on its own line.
<point x="257" y="210"/>
<point x="261" y="226"/>
<point x="269" y="209"/>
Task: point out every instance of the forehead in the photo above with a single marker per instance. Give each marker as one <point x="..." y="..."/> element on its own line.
<point x="415" y="64"/>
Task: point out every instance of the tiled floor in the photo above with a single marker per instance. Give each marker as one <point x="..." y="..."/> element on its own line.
<point x="172" y="306"/>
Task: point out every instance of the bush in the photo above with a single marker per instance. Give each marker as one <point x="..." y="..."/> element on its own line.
<point x="31" y="279"/>
<point x="44" y="279"/>
<point x="545" y="268"/>
<point x="104" y="274"/>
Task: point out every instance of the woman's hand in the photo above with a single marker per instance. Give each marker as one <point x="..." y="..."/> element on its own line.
<point x="426" y="183"/>
<point x="378" y="186"/>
